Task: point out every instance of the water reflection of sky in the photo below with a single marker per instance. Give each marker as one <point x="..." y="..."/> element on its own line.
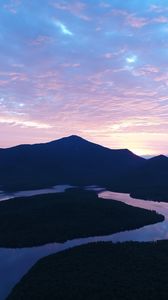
<point x="153" y="232"/>
<point x="52" y="190"/>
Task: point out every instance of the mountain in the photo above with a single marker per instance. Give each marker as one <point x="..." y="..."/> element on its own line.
<point x="150" y="181"/>
<point x="72" y="160"/>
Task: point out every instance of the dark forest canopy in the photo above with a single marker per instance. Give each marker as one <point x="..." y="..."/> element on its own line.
<point x="125" y="271"/>
<point x="59" y="217"/>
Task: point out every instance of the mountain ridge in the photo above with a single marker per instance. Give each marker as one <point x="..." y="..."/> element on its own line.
<point x="71" y="138"/>
<point x="74" y="160"/>
<point x="70" y="159"/>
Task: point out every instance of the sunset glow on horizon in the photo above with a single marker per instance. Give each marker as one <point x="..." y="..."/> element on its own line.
<point x="97" y="69"/>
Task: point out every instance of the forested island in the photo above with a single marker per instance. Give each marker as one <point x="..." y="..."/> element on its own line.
<point x="37" y="220"/>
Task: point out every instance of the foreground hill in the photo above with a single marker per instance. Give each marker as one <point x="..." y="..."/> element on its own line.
<point x="125" y="271"/>
<point x="71" y="160"/>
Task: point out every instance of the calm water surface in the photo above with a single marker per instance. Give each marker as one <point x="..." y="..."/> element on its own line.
<point x="16" y="262"/>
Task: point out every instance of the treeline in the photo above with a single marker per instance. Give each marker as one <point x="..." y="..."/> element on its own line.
<point x="154" y="193"/>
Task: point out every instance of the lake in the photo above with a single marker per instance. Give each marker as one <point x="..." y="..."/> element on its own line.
<point x="16" y="262"/>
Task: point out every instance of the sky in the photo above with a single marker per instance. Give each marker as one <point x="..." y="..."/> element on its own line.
<point x="93" y="68"/>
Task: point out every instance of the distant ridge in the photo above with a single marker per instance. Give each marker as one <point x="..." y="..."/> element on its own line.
<point x="150" y="181"/>
<point x="159" y="158"/>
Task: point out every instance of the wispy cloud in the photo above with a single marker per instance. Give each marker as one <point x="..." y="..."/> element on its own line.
<point x="14" y="121"/>
<point x="137" y="22"/>
<point x="12" y="6"/>
<point x="63" y="28"/>
<point x="75" y="8"/>
<point x="158" y="8"/>
<point x="41" y="40"/>
<point x="131" y="19"/>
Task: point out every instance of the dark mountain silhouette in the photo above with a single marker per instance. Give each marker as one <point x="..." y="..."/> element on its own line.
<point x="71" y="160"/>
<point x="150" y="181"/>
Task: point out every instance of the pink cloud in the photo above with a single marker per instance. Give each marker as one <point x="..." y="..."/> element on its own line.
<point x="161" y="19"/>
<point x="12" y="6"/>
<point x="75" y="7"/>
<point x="9" y="78"/>
<point x="108" y="55"/>
<point x="162" y="78"/>
<point x="131" y="19"/>
<point x="137" y="22"/>
<point x="147" y="70"/>
<point x="3" y="82"/>
<point x="41" y="40"/>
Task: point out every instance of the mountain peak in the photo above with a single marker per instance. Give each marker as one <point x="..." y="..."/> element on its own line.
<point x="71" y="139"/>
<point x="74" y="137"/>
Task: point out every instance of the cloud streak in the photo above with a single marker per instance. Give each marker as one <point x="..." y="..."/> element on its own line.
<point x="63" y="28"/>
